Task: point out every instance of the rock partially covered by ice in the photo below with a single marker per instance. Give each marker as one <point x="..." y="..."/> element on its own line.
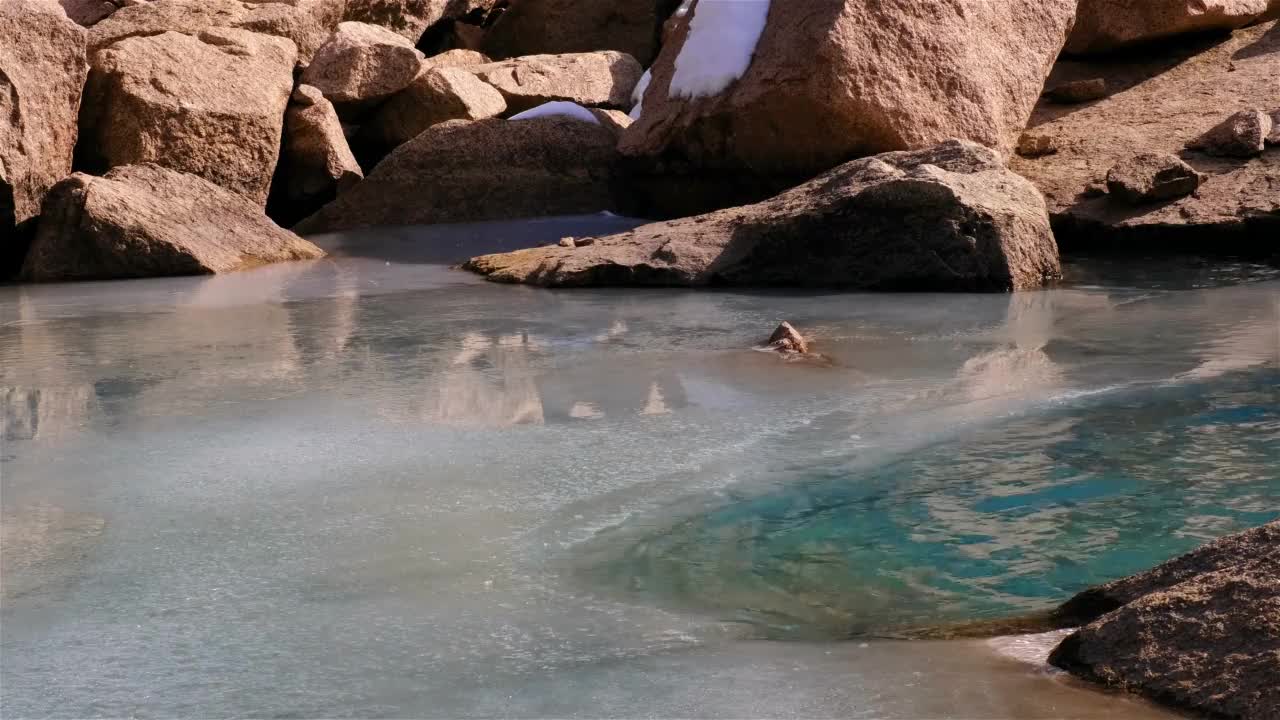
<point x="558" y="108"/>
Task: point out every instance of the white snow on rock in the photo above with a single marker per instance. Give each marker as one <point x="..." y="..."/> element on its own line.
<point x="637" y="95"/>
<point x="722" y="39"/>
<point x="557" y="108"/>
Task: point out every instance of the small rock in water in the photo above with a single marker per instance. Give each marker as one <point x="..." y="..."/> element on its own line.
<point x="568" y="242"/>
<point x="787" y="340"/>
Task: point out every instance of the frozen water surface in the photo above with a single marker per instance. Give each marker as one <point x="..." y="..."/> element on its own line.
<point x="375" y="486"/>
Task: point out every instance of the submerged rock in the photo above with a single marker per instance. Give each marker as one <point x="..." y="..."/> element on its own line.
<point x="494" y="169"/>
<point x="145" y="221"/>
<point x="787" y="340"/>
<point x="1199" y="633"/>
<point x="1149" y="177"/>
<point x="42" y="71"/>
<point x="947" y="218"/>
<point x="212" y="105"/>
<point x="1105" y="25"/>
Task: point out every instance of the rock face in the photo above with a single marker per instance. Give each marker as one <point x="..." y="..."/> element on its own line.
<point x="42" y="71"/>
<point x="1104" y="25"/>
<point x="1150" y="177"/>
<point x="1199" y="633"/>
<point x="948" y="218"/>
<point x="88" y="12"/>
<point x="546" y="27"/>
<point x="1244" y="134"/>
<point x="492" y="169"/>
<point x="361" y="65"/>
<point x="437" y="95"/>
<point x="601" y="79"/>
<point x="315" y="162"/>
<point x="144" y="221"/>
<point x="306" y="22"/>
<point x="834" y="80"/>
<point x="211" y="105"/>
<point x="1160" y="103"/>
<point x="410" y="18"/>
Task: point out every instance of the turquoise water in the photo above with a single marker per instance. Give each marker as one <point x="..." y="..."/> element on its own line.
<point x="373" y="486"/>
<point x="1010" y="519"/>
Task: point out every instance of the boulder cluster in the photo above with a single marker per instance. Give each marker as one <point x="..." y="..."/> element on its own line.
<point x="905" y="144"/>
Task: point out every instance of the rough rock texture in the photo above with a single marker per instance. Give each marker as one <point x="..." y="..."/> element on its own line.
<point x="306" y="22"/>
<point x="316" y="164"/>
<point x="1033" y="146"/>
<point x="835" y="80"/>
<point x="42" y="71"/>
<point x="88" y="12"/>
<point x="410" y="18"/>
<point x="1274" y="137"/>
<point x="1244" y="134"/>
<point x="601" y="79"/>
<point x="362" y="64"/>
<point x="145" y="220"/>
<point x="1200" y="632"/>
<point x="1104" y="25"/>
<point x="786" y="339"/>
<point x="482" y="170"/>
<point x="437" y="95"/>
<point x="1150" y="177"/>
<point x="1078" y="91"/>
<point x="211" y="105"/>
<point x="947" y="218"/>
<point x="1159" y="102"/>
<point x="541" y="27"/>
<point x="456" y="58"/>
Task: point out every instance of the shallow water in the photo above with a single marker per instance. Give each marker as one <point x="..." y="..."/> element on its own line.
<point x="375" y="486"/>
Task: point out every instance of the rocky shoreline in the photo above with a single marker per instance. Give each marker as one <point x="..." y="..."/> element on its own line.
<point x="1107" y="126"/>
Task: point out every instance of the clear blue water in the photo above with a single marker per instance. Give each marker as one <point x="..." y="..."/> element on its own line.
<point x="373" y="486"/>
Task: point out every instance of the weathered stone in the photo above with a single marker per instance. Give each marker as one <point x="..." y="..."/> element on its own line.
<point x="362" y="64"/>
<point x="88" y="12"/>
<point x="1200" y="633"/>
<point x="602" y="79"/>
<point x="1244" y="134"/>
<point x="456" y="58"/>
<point x="830" y="81"/>
<point x="1031" y="145"/>
<point x="144" y="221"/>
<point x="1159" y="101"/>
<point x="1105" y="25"/>
<point x="615" y="120"/>
<point x="316" y="163"/>
<point x="1078" y="91"/>
<point x="410" y="18"/>
<point x="306" y="22"/>
<point x="1274" y="137"/>
<point x="492" y="169"/>
<point x="542" y="27"/>
<point x="437" y="95"/>
<point x="42" y="71"/>
<point x="948" y="218"/>
<point x="211" y="105"/>
<point x="786" y="339"/>
<point x="1150" y="177"/>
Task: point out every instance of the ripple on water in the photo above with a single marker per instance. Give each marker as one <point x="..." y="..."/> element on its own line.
<point x="1012" y="519"/>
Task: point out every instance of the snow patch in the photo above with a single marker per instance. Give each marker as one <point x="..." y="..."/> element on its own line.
<point x="558" y="108"/>
<point x="722" y="39"/>
<point x="637" y="95"/>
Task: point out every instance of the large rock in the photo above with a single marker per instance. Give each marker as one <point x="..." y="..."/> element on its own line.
<point x="315" y="162"/>
<point x="947" y="218"/>
<point x="211" y="105"/>
<point x="831" y="80"/>
<point x="410" y="18"/>
<point x="1105" y="25"/>
<point x="306" y="22"/>
<point x="42" y="71"/>
<point x="144" y="221"/>
<point x="1160" y="103"/>
<point x="1200" y="633"/>
<point x="493" y="169"/>
<point x="361" y="65"/>
<point x="600" y="79"/>
<point x="548" y="27"/>
<point x="438" y="95"/>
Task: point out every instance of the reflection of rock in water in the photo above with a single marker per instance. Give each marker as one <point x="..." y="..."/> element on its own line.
<point x="43" y="413"/>
<point x="489" y="382"/>
<point x="40" y="545"/>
